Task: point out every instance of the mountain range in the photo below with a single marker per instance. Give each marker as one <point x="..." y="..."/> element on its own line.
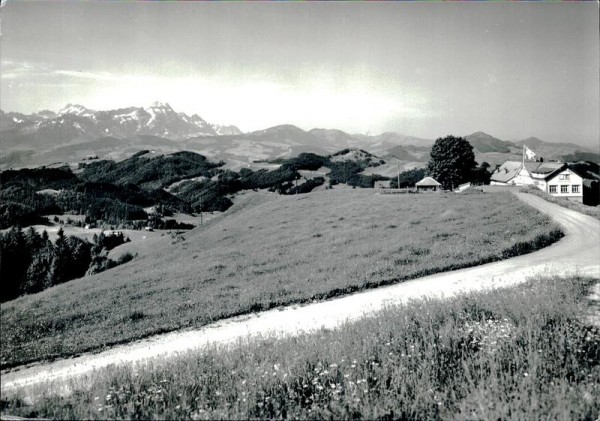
<point x="76" y="121"/>
<point x="76" y="133"/>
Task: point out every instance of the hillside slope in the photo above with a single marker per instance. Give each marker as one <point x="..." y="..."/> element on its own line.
<point x="483" y="143"/>
<point x="269" y="251"/>
<point x="332" y="314"/>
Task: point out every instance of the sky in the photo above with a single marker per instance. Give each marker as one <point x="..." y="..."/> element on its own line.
<point x="424" y="69"/>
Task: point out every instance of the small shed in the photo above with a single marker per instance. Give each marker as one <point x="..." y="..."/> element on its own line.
<point x="428" y="184"/>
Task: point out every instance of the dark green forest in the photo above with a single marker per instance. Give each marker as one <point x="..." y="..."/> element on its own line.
<point x="32" y="263"/>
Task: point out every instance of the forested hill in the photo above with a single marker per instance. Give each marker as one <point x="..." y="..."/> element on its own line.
<point x="119" y="193"/>
<point x="148" y="171"/>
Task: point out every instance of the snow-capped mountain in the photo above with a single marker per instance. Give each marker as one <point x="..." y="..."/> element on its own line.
<point x="76" y="109"/>
<point x="77" y="121"/>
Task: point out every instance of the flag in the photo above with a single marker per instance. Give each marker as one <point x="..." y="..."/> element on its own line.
<point x="528" y="152"/>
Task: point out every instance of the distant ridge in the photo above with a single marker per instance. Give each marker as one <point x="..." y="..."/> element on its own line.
<point x="76" y="132"/>
<point x="76" y="121"/>
<point x="483" y="142"/>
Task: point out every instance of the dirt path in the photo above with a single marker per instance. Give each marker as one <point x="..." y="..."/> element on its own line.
<point x="577" y="253"/>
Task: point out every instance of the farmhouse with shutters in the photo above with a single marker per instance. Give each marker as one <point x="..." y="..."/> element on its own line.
<point x="555" y="178"/>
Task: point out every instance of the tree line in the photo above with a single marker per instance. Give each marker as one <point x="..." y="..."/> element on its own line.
<point x="32" y="263"/>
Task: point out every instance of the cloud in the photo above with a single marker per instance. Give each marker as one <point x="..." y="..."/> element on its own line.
<point x="21" y="69"/>
<point x="105" y="76"/>
<point x="353" y="102"/>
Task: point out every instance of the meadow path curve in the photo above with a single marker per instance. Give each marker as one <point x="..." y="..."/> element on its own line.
<point x="577" y="253"/>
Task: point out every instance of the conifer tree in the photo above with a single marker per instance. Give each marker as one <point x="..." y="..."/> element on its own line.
<point x="60" y="261"/>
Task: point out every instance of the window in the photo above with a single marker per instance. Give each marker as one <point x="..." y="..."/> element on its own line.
<point x="564" y="189"/>
<point x="552" y="189"/>
<point x="563" y="177"/>
<point x="575" y="188"/>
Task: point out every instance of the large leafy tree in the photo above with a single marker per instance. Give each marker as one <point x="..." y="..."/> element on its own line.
<point x="452" y="161"/>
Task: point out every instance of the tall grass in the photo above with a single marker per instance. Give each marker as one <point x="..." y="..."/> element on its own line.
<point x="519" y="353"/>
<point x="276" y="251"/>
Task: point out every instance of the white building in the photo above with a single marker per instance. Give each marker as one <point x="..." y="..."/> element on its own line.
<point x="555" y="178"/>
<point x="565" y="183"/>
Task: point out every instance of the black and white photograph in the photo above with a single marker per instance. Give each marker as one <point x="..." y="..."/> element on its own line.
<point x="372" y="210"/>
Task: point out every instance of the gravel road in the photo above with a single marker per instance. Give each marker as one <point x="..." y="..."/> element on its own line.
<point x="577" y="253"/>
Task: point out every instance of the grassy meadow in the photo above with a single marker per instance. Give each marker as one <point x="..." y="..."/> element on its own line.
<point x="268" y="251"/>
<point x="524" y="352"/>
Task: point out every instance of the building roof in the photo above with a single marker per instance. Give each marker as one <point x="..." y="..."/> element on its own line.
<point x="428" y="182"/>
<point x="548" y="167"/>
<point x="510" y="169"/>
<point x="562" y="168"/>
<point x="507" y="171"/>
<point x="531" y="166"/>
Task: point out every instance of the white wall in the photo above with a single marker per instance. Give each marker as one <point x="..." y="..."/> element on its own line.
<point x="541" y="184"/>
<point x="574" y="180"/>
<point x="523" y="178"/>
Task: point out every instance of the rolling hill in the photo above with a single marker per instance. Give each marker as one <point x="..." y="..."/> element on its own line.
<point x="558" y="151"/>
<point x="483" y="143"/>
